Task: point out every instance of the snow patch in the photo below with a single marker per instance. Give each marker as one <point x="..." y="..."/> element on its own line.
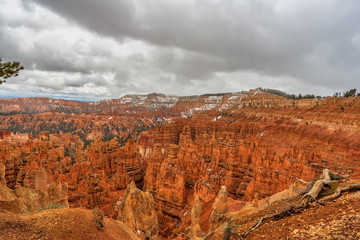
<point x="234" y="97"/>
<point x="215" y="98"/>
<point x="217" y="118"/>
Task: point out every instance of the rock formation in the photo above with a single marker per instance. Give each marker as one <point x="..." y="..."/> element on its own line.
<point x="40" y="179"/>
<point x="24" y="200"/>
<point x="5" y="134"/>
<point x="2" y="174"/>
<point x="195" y="230"/>
<point x="220" y="212"/>
<point x="6" y="194"/>
<point x="255" y="144"/>
<point x="137" y="211"/>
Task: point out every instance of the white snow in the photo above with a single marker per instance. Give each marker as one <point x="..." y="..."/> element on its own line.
<point x="126" y="100"/>
<point x="217" y="118"/>
<point x="234" y="97"/>
<point x="214" y="97"/>
<point x="187" y="113"/>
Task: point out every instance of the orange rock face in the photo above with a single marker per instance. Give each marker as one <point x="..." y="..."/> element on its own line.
<point x="253" y="151"/>
<point x="95" y="176"/>
<point x="103" y="172"/>
<point x="137" y="211"/>
<point x="255" y="144"/>
<point x="194" y="231"/>
<point x="208" y="156"/>
<point x="220" y="212"/>
<point x="5" y="134"/>
<point x="25" y="200"/>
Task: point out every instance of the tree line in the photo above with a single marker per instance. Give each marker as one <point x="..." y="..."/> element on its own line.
<point x="349" y="93"/>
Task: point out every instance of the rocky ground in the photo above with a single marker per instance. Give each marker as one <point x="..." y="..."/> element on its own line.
<point x="339" y="219"/>
<point x="60" y="224"/>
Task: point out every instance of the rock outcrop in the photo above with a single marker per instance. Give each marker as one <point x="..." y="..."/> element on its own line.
<point x="6" y="194"/>
<point x="96" y="176"/>
<point x="195" y="231"/>
<point x="2" y="174"/>
<point x="220" y="212"/>
<point x="100" y="176"/>
<point x="24" y="200"/>
<point x="137" y="211"/>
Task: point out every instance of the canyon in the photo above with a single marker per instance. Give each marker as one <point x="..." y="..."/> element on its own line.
<point x="188" y="163"/>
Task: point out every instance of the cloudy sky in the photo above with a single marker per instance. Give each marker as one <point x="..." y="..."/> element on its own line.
<point x="91" y="49"/>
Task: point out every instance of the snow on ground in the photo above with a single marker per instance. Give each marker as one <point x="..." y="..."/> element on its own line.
<point x="217" y="118"/>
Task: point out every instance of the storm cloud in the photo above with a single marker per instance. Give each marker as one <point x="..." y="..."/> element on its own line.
<point x="88" y="49"/>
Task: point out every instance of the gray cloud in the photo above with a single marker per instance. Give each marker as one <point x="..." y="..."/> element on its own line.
<point x="184" y="47"/>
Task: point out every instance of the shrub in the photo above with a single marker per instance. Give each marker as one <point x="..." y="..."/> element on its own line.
<point x="328" y="189"/>
<point x="51" y="206"/>
<point x="314" y="180"/>
<point x="228" y="231"/>
<point x="98" y="218"/>
<point x="334" y="176"/>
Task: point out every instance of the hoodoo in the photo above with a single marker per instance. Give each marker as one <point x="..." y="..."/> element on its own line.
<point x="195" y="171"/>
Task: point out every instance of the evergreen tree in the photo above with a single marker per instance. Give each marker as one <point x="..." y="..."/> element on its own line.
<point x="350" y="93"/>
<point x="9" y="69"/>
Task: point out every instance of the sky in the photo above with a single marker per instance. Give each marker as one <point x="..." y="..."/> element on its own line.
<point x="91" y="50"/>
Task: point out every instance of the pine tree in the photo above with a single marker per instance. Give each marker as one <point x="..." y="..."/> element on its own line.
<point x="9" y="69"/>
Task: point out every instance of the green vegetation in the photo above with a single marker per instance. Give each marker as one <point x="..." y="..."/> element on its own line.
<point x="52" y="206"/>
<point x="350" y="93"/>
<point x="287" y="95"/>
<point x="98" y="218"/>
<point x="314" y="180"/>
<point x="328" y="189"/>
<point x="9" y="113"/>
<point x="228" y="230"/>
<point x="9" y="69"/>
<point x="334" y="176"/>
<point x="27" y="212"/>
